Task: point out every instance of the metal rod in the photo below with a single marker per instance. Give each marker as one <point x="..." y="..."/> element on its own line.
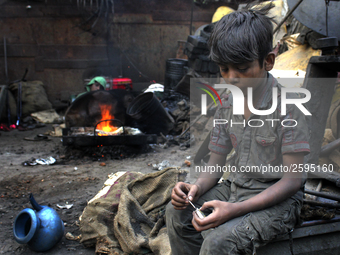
<point x="99" y="14"/>
<point x="8" y="109"/>
<point x="328" y="148"/>
<point x="192" y="16"/>
<point x="88" y="19"/>
<point x="287" y="16"/>
<point x="329" y="176"/>
<point x="5" y="57"/>
<point x="192" y="204"/>
<point x="193" y="123"/>
<point x="318" y="188"/>
<point x="329" y="205"/>
<point x="318" y="222"/>
<point x="327" y="4"/>
<point x="322" y="194"/>
<point x="24" y="77"/>
<point x="19" y="107"/>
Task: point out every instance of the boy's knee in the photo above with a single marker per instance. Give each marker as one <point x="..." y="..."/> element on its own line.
<point x="237" y="237"/>
<point x="219" y="243"/>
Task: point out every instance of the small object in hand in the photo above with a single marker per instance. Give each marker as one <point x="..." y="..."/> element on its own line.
<point x="199" y="213"/>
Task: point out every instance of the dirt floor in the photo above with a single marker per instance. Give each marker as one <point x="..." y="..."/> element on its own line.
<point x="68" y="181"/>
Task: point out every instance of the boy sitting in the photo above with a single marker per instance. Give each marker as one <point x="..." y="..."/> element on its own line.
<point x="247" y="210"/>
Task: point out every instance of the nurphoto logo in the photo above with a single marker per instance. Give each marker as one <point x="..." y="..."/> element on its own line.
<point x="238" y="104"/>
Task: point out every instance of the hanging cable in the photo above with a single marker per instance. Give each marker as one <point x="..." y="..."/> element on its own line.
<point x="192" y="16"/>
<point x="139" y="72"/>
<point x="327" y="4"/>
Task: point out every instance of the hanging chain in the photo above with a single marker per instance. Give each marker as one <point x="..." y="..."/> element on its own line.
<point x="327" y="5"/>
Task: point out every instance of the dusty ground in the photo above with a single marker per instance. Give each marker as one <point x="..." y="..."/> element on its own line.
<point x="73" y="181"/>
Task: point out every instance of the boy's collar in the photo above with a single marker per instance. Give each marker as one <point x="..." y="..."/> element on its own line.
<point x="266" y="95"/>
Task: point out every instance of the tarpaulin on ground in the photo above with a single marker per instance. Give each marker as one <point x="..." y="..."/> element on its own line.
<point x="128" y="218"/>
<point x="47" y="116"/>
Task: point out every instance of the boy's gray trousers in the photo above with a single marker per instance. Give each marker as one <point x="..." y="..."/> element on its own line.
<point x="241" y="235"/>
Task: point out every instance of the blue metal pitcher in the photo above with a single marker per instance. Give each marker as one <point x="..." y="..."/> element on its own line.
<point x="40" y="229"/>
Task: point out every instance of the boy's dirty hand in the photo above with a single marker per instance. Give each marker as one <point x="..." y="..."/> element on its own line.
<point x="222" y="212"/>
<point x="181" y="193"/>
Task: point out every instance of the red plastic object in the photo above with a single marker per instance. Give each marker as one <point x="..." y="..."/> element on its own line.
<point x="4" y="127"/>
<point x="122" y="83"/>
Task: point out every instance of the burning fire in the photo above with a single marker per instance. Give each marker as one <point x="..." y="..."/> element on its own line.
<point x="106" y="125"/>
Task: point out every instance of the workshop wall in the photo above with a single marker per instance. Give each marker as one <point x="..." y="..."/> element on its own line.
<point x="61" y="45"/>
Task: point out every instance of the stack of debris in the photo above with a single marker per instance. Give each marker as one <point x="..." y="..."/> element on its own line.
<point x="196" y="49"/>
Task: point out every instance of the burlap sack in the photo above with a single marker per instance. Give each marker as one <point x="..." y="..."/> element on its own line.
<point x="33" y="96"/>
<point x="129" y="217"/>
<point x="96" y="223"/>
<point x="141" y="213"/>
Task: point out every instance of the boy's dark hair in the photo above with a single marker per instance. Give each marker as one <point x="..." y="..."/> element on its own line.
<point x="242" y="36"/>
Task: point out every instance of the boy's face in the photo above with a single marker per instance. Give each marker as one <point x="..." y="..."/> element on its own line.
<point x="249" y="74"/>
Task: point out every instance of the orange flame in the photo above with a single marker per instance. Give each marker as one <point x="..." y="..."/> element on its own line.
<point x="106" y="115"/>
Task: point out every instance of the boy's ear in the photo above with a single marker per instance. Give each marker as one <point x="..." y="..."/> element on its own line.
<point x="269" y="61"/>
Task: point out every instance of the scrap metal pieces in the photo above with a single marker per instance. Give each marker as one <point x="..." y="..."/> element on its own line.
<point x="40" y="161"/>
